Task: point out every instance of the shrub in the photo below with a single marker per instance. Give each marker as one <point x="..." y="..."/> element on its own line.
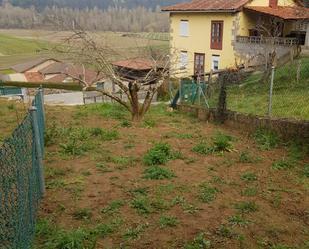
<point x="159" y="154"/>
<point x="158" y="173"/>
<point x="266" y="139"/>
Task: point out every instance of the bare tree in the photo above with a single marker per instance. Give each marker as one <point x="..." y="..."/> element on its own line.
<point x="270" y="30"/>
<point x="86" y="50"/>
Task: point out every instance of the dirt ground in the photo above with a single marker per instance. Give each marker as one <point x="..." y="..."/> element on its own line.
<point x="96" y="185"/>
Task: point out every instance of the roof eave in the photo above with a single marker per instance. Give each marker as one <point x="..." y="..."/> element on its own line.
<point x="202" y="11"/>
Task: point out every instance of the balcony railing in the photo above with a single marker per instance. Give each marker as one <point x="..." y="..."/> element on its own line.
<point x="282" y="41"/>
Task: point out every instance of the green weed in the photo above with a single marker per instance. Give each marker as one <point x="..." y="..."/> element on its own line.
<point x="148" y="123"/>
<point x="266" y="139"/>
<point x="222" y="142"/>
<point x="246" y="157"/>
<point x="207" y="193"/>
<point x="142" y="205"/>
<point x="82" y="214"/>
<point x="283" y="164"/>
<point x="246" y="206"/>
<point x="238" y="220"/>
<point x="168" y="221"/>
<point x="225" y="231"/>
<point x="113" y="207"/>
<point x="159" y="154"/>
<point x="158" y="173"/>
<point x="126" y="124"/>
<point x="251" y="191"/>
<point x="103" y="168"/>
<point x="199" y="242"/>
<point x="306" y="170"/>
<point x="134" y="233"/>
<point x="202" y="148"/>
<point x="249" y="177"/>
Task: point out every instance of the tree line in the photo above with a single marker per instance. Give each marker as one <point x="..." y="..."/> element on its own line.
<point x="138" y="19"/>
<point x="82" y="4"/>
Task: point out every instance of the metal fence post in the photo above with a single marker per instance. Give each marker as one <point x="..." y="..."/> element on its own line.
<point x="180" y="91"/>
<point x="41" y="90"/>
<point x="37" y="141"/>
<point x="271" y="91"/>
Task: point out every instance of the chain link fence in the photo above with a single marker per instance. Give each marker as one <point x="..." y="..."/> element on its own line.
<point x="283" y="92"/>
<point x="279" y="93"/>
<point x="21" y="179"/>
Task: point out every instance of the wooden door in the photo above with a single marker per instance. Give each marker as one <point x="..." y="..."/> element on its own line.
<point x="199" y="65"/>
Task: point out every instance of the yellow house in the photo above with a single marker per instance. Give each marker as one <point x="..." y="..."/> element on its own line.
<point x="217" y="34"/>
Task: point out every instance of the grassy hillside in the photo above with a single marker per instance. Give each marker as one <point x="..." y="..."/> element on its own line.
<point x="10" y="45"/>
<point x="290" y="97"/>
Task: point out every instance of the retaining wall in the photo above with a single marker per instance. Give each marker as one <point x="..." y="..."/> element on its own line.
<point x="287" y="129"/>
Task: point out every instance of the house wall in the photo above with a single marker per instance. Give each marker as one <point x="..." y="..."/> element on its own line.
<point x="41" y="66"/>
<point x="266" y="3"/>
<point x="198" y="40"/>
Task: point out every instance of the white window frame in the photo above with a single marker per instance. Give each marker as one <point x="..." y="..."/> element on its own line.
<point x="183" y="60"/>
<point x="215" y="58"/>
<point x="184" y="28"/>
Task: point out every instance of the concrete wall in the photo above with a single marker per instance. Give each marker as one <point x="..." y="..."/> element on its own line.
<point x="287" y="129"/>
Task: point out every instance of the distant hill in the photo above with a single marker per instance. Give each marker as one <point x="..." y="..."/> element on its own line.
<point x="82" y="4"/>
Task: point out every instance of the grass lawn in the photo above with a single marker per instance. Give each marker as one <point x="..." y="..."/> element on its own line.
<point x="10" y="45"/>
<point x="11" y="114"/>
<point x="169" y="182"/>
<point x="17" y="46"/>
<point x="290" y="98"/>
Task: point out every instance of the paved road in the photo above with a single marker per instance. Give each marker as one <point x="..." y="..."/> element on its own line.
<point x="74" y="98"/>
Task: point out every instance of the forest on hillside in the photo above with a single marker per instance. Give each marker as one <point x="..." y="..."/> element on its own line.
<point x="120" y="18"/>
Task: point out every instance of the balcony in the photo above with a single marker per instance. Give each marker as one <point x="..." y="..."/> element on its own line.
<point x="280" y="41"/>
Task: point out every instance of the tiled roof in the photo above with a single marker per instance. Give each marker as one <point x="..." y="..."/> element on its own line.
<point x="135" y="64"/>
<point x="34" y="77"/>
<point x="57" y="67"/>
<point x="75" y="71"/>
<point x="208" y="6"/>
<point x="21" y="68"/>
<point x="286" y="13"/>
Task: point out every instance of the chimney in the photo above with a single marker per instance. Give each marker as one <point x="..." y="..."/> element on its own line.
<point x="273" y="3"/>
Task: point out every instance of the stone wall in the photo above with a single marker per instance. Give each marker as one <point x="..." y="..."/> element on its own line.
<point x="287" y="129"/>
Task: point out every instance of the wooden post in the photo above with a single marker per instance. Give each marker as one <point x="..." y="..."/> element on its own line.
<point x="271" y="91"/>
<point x="37" y="144"/>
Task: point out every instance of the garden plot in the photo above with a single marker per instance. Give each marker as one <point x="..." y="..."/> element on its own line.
<point x="169" y="182"/>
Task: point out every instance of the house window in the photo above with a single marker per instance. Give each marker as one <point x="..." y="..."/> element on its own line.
<point x="216" y="35"/>
<point x="215" y="62"/>
<point x="183" y="59"/>
<point x="184" y="28"/>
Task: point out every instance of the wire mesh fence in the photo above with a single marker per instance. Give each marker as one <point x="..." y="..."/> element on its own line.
<point x="21" y="179"/>
<point x="284" y="96"/>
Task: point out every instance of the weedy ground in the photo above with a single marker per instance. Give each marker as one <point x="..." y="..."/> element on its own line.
<point x="177" y="183"/>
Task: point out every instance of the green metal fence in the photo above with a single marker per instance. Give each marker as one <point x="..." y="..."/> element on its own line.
<point x="193" y="93"/>
<point x="10" y="90"/>
<point x="21" y="179"/>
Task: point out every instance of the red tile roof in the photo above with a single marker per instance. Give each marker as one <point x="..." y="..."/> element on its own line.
<point x="34" y="77"/>
<point x="208" y="6"/>
<point x="135" y="64"/>
<point x="286" y="13"/>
